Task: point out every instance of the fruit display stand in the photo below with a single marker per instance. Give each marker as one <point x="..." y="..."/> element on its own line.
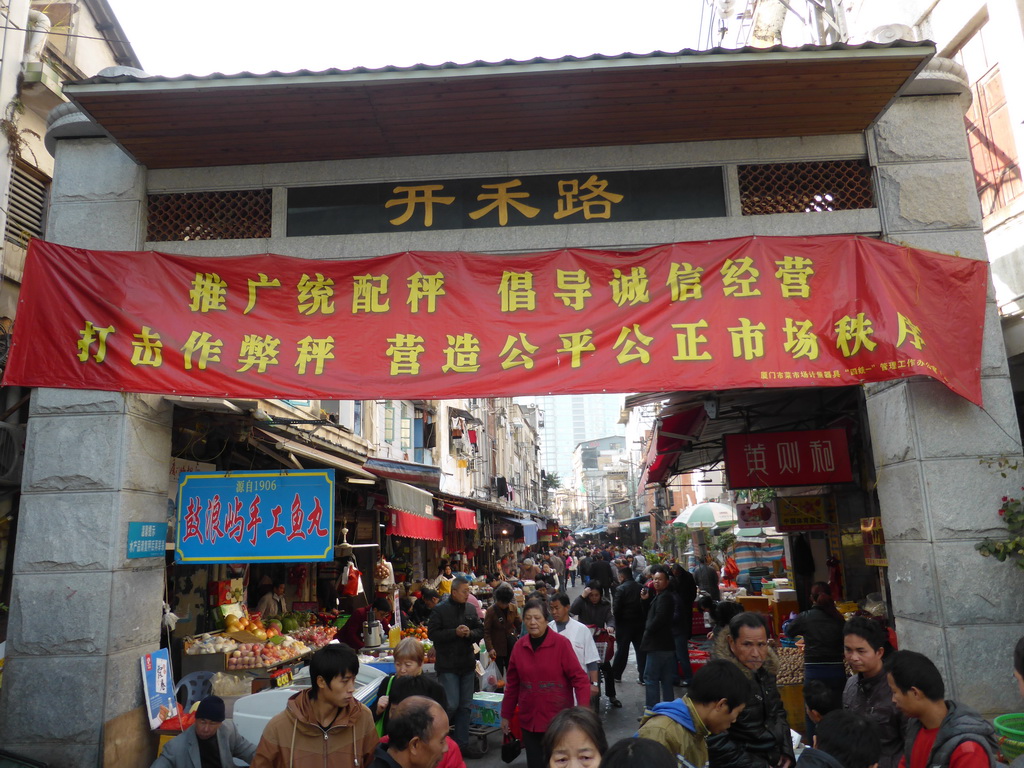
<point x="242" y="653"/>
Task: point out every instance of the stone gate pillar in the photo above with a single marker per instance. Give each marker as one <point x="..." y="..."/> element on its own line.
<point x="82" y="614"/>
<point x="937" y="497"/>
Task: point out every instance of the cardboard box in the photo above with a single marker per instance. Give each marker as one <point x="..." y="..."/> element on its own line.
<point x="486" y="710"/>
<point x="219" y="593"/>
<point x="784" y="595"/>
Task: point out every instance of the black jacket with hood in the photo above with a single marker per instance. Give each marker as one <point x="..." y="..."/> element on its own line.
<point x="760" y="736"/>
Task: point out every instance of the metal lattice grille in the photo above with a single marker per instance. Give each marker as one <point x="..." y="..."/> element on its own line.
<point x="238" y="215"/>
<point x="830" y="185"/>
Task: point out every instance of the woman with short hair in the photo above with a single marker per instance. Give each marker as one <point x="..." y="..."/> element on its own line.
<point x="544" y="677"/>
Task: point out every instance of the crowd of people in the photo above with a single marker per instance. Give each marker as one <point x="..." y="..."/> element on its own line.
<point x="891" y="713"/>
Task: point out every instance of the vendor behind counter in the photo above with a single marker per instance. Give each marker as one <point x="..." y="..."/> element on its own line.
<point x="352" y="633"/>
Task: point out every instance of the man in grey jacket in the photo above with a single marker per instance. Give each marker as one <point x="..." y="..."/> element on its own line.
<point x="209" y="740"/>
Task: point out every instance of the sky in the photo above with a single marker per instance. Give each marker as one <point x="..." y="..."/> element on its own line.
<point x="203" y="36"/>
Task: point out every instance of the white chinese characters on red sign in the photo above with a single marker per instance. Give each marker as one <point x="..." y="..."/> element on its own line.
<point x="773" y="459"/>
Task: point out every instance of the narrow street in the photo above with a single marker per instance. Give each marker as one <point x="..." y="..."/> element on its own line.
<point x="618" y="723"/>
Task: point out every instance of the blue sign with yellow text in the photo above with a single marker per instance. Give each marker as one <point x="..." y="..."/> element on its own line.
<point x="255" y="517"/>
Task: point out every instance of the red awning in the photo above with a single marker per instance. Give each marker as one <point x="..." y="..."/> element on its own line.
<point x="674" y="433"/>
<point x="410" y="513"/>
<point x="465" y="519"/>
<point x="412" y="526"/>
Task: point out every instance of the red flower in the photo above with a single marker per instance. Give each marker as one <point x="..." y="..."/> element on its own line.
<point x="1005" y="498"/>
<point x="1002" y="511"/>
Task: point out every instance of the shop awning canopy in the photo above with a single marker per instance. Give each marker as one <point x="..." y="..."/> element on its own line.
<point x="411" y="513"/>
<point x="630" y="520"/>
<point x="674" y="433"/>
<point x="465" y="519"/>
<point x="742" y="410"/>
<point x="462" y="413"/>
<point x="529" y="529"/>
<point x="313" y="454"/>
<point x="427" y="475"/>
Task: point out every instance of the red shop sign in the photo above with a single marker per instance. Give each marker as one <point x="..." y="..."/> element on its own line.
<point x="781" y="459"/>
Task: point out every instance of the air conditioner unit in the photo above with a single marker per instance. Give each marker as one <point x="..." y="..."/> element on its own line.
<point x="12" y="451"/>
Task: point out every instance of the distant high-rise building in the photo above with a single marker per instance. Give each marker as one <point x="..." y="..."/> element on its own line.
<point x="568" y="420"/>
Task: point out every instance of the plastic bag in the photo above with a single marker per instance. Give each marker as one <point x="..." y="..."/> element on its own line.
<point x="732" y="570"/>
<point x="492" y="679"/>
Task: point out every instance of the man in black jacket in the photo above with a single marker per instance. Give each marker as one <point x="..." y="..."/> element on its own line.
<point x="628" y="610"/>
<point x="585" y="562"/>
<point x="454" y="627"/>
<point x="601" y="569"/>
<point x="658" y="643"/>
<point x="760" y="737"/>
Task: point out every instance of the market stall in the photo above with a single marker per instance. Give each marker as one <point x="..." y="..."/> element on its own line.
<point x="277" y="520"/>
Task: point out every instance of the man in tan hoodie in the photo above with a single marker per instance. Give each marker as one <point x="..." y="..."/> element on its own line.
<point x="324" y="724"/>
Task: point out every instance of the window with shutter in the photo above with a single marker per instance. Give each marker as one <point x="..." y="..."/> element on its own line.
<point x="26" y="211"/>
<point x="997" y="171"/>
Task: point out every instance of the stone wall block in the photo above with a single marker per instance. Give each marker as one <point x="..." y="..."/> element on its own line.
<point x="966" y="243"/>
<point x="912" y="580"/>
<point x="502" y="164"/>
<point x="136" y="606"/>
<point x="72" y="714"/>
<point x="73" y="224"/>
<point x="979" y="655"/>
<point x="993" y="350"/>
<point x="147" y="443"/>
<point x="924" y="128"/>
<point x="67" y="402"/>
<point x="926" y="638"/>
<point x="96" y="169"/>
<point x="901" y="500"/>
<point x="892" y="436"/>
<point x="220" y="177"/>
<point x="152" y="407"/>
<point x="936" y="196"/>
<point x="963" y="498"/>
<point x="68" y="531"/>
<point x="73" y="454"/>
<point x="124" y="681"/>
<point x="59" y="614"/>
<point x="977" y="590"/>
<point x="138" y="507"/>
<point x="948" y="425"/>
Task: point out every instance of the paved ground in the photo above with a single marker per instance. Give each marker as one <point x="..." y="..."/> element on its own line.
<point x="618" y="723"/>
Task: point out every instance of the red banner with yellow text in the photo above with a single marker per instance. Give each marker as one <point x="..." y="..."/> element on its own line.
<point x="744" y="312"/>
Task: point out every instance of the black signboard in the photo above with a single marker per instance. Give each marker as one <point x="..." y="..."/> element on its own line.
<point x="511" y="201"/>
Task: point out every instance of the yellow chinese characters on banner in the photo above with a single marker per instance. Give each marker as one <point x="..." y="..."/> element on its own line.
<point x="752" y="312"/>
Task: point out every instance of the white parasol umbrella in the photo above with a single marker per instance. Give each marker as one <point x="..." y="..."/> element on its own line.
<point x="706" y="515"/>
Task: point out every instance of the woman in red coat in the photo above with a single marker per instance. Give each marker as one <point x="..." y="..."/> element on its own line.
<point x="544" y="677"/>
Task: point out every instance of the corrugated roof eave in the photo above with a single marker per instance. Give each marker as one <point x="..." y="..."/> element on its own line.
<point x="719" y="56"/>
